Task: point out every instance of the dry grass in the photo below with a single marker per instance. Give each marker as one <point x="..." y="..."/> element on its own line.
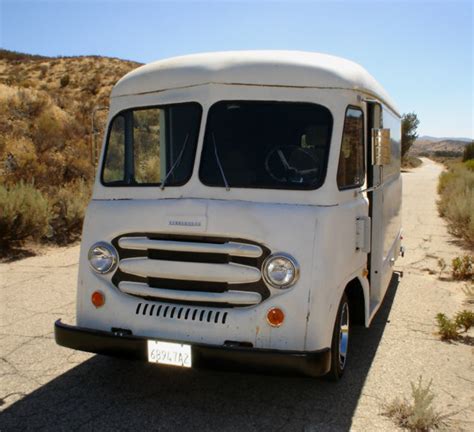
<point x="456" y="204"/>
<point x="468" y="290"/>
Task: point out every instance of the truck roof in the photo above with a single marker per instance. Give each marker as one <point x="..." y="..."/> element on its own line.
<point x="297" y="69"/>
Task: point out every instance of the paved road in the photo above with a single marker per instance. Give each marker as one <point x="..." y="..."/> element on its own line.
<point x="43" y="386"/>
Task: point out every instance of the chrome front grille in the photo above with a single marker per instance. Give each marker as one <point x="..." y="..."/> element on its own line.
<point x="191" y="269"/>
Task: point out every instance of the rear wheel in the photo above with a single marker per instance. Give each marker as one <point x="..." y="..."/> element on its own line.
<point x="340" y="341"/>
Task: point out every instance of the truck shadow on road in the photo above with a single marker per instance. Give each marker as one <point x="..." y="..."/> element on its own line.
<point x="109" y="394"/>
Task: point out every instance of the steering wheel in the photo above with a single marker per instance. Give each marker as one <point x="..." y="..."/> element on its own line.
<point x="281" y="160"/>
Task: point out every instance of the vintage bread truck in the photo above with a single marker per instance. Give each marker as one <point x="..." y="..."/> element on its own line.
<point x="246" y="211"/>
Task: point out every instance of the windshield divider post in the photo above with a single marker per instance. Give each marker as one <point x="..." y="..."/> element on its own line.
<point x="129" y="157"/>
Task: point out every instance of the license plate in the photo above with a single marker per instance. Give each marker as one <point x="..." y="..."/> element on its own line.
<point x="169" y="353"/>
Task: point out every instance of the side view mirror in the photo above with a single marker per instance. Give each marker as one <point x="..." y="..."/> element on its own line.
<point x="382" y="146"/>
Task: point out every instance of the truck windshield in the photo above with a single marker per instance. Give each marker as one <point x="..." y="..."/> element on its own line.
<point x="272" y="145"/>
<point x="152" y="146"/>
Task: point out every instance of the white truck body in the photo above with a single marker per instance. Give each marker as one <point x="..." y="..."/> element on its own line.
<point x="341" y="238"/>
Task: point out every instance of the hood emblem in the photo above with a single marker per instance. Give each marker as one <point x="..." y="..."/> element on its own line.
<point x="185" y="223"/>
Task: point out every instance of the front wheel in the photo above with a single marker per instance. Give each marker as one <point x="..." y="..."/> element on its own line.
<point x="340" y="341"/>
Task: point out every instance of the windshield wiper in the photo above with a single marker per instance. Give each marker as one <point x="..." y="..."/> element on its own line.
<point x="177" y="161"/>
<point x="219" y="163"/>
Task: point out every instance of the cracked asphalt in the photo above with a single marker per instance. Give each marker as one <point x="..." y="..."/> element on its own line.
<point x="44" y="386"/>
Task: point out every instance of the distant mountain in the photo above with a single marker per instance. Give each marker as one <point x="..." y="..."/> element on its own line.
<point x="426" y="145"/>
<point x="434" y="139"/>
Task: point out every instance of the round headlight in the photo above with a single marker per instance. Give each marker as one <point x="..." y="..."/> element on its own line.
<point x="102" y="257"/>
<point x="280" y="270"/>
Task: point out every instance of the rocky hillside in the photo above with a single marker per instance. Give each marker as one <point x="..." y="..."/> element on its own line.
<point x="46" y="170"/>
<point x="45" y="111"/>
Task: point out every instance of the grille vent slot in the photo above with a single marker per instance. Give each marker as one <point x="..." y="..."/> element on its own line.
<point x="185" y="313"/>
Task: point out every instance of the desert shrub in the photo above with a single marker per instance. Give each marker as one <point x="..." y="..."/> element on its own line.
<point x="77" y="163"/>
<point x="447" y="328"/>
<point x="411" y="162"/>
<point x="15" y="55"/>
<point x="463" y="268"/>
<point x="49" y="132"/>
<point x="43" y="69"/>
<point x="68" y="208"/>
<point x="24" y="213"/>
<point x="456" y="203"/>
<point x="469" y="164"/>
<point x="25" y="83"/>
<point x="468" y="152"/>
<point x="446" y="154"/>
<point x="27" y="103"/>
<point x="417" y="414"/>
<point x="464" y="320"/>
<point x="64" y="81"/>
<point x="93" y="85"/>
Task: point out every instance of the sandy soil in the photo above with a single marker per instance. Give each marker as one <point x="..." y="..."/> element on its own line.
<point x="49" y="387"/>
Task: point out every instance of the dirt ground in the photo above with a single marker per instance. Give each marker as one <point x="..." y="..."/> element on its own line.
<point x="44" y="386"/>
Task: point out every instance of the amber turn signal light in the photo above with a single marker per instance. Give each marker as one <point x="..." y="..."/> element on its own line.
<point x="98" y="299"/>
<point x="275" y="317"/>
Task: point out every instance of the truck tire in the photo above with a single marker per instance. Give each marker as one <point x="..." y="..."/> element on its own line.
<point x="340" y="341"/>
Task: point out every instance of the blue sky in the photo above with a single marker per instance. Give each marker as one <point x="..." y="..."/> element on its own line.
<point x="421" y="51"/>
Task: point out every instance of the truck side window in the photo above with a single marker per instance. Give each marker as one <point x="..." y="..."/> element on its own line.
<point x="114" y="165"/>
<point x="351" y="170"/>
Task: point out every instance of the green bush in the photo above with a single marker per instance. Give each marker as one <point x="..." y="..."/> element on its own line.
<point x="64" y="81"/>
<point x="464" y="320"/>
<point x="469" y="164"/>
<point x="24" y="213"/>
<point x="449" y="329"/>
<point x="68" y="208"/>
<point x="468" y="152"/>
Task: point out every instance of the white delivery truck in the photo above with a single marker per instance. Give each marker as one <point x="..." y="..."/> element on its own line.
<point x="246" y="211"/>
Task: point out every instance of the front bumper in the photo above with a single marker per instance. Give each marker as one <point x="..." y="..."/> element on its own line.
<point x="313" y="363"/>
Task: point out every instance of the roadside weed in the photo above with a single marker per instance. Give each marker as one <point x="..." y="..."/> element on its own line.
<point x="468" y="290"/>
<point x="464" y="320"/>
<point x="418" y="413"/>
<point x="463" y="268"/>
<point x="449" y="329"/>
<point x="442" y="266"/>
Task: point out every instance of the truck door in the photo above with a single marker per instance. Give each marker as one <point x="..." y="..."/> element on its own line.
<point x="384" y="194"/>
<point x="375" y="196"/>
